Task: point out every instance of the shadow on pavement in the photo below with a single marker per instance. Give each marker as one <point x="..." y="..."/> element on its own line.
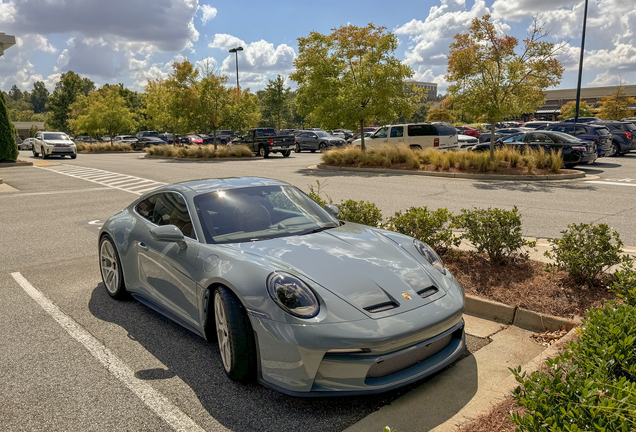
<point x="244" y="407"/>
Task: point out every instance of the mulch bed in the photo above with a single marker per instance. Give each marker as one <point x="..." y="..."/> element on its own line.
<point x="524" y="283"/>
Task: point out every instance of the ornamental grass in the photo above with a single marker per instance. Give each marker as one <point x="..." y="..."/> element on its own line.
<point x="406" y="158"/>
<point x="102" y="147"/>
<point x="200" y="152"/>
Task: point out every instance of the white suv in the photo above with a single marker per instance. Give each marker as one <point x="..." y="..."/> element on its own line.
<point x="53" y="144"/>
<point x="416" y="135"/>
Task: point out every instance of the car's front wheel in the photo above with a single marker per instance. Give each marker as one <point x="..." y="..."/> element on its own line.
<point x="44" y="155"/>
<point x="35" y="154"/>
<point x="110" y="268"/>
<point x="234" y="335"/>
<point x="297" y="148"/>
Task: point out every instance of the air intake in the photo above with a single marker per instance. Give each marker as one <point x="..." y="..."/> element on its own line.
<point x="427" y="292"/>
<point x="381" y="307"/>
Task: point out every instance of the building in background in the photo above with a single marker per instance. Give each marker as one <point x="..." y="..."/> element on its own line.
<point x="555" y="99"/>
<point x="6" y="41"/>
<point x="429" y="87"/>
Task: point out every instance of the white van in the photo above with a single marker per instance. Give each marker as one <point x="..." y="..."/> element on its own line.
<point x="417" y="135"/>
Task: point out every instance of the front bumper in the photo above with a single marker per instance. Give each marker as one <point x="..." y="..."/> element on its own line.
<point x="294" y="359"/>
<point x="60" y="150"/>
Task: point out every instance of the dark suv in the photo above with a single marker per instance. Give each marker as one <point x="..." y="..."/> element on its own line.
<point x="623" y="139"/>
<point x="600" y="135"/>
<point x="584" y="120"/>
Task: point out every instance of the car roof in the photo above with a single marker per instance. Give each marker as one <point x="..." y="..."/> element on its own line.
<point x="202" y="186"/>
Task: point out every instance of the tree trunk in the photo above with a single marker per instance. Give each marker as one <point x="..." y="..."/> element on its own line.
<point x="492" y="141"/>
<point x="214" y="132"/>
<point x="362" y="146"/>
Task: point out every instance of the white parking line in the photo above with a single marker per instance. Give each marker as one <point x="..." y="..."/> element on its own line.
<point x="113" y="180"/>
<point x="610" y="183"/>
<point x="154" y="400"/>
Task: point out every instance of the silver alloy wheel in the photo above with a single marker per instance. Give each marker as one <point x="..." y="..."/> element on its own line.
<point x="222" y="332"/>
<point x="108" y="265"/>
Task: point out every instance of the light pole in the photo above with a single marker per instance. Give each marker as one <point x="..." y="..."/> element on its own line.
<point x="578" y="85"/>
<point x="235" y="51"/>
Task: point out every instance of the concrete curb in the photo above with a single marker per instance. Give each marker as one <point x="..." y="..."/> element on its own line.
<point x="519" y="317"/>
<point x="17" y="163"/>
<point x="147" y="156"/>
<point x="472" y="176"/>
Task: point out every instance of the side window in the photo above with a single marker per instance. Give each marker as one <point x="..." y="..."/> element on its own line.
<point x="381" y="133"/>
<point x="397" y="131"/>
<point x="421" y="130"/>
<point x="146" y="207"/>
<point x="171" y="209"/>
<point x="580" y="130"/>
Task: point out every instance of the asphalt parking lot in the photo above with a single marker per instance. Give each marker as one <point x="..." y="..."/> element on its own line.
<point x="50" y="219"/>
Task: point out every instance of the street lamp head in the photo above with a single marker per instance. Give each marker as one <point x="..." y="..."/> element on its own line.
<point x="233" y="50"/>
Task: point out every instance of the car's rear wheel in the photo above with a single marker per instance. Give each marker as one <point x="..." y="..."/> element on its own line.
<point x="615" y="149"/>
<point x="110" y="268"/>
<point x="286" y="153"/>
<point x="416" y="147"/>
<point x="234" y="335"/>
<point x="262" y="151"/>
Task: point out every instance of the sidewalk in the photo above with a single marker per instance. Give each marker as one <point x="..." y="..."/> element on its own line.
<point x="467" y="389"/>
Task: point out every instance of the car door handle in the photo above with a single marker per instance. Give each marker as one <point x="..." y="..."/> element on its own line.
<point x="143" y="246"/>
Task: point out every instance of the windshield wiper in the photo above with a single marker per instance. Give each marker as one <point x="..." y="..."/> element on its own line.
<point x="316" y="230"/>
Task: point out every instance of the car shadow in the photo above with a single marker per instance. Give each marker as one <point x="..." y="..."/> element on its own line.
<point x="243" y="407"/>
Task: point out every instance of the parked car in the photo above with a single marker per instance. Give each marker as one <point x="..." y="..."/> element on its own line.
<point x="169" y="137"/>
<point x="467" y="130"/>
<point x="147" y="134"/>
<point x="224" y="136"/>
<point x="290" y="293"/>
<point x="125" y="139"/>
<point x="53" y="144"/>
<point x="623" y="139"/>
<point x="583" y="120"/>
<point x="342" y="133"/>
<point x="574" y="150"/>
<point x="27" y="144"/>
<point x="145" y="142"/>
<point x="316" y="140"/>
<point x="600" y="135"/>
<point x="191" y="139"/>
<point x="465" y="142"/>
<point x="537" y="124"/>
<point x="356" y="136"/>
<point x="415" y="135"/>
<point x="86" y="139"/>
<point x="264" y="141"/>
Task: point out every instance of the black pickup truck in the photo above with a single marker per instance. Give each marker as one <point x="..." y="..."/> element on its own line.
<point x="265" y="141"/>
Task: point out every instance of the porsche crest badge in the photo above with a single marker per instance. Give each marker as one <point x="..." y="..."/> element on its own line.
<point x="406" y="296"/>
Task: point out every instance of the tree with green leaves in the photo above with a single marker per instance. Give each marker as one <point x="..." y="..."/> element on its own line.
<point x="39" y="97"/>
<point x="102" y="113"/>
<point x="276" y="103"/>
<point x="491" y="79"/>
<point x="615" y="106"/>
<point x="33" y="130"/>
<point x="352" y="77"/>
<point x="15" y="93"/>
<point x="243" y="110"/>
<point x="569" y="110"/>
<point x="214" y="104"/>
<point x="439" y="114"/>
<point x="66" y="92"/>
<point x="8" y="146"/>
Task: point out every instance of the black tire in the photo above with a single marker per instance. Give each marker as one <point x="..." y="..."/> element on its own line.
<point x="263" y="152"/>
<point x="35" y="154"/>
<point x="286" y="153"/>
<point x="416" y="147"/>
<point x="44" y="155"/>
<point x="297" y="148"/>
<point x="118" y="289"/>
<point x="615" y="149"/>
<point x="73" y="156"/>
<point x="237" y="336"/>
<point x="322" y="147"/>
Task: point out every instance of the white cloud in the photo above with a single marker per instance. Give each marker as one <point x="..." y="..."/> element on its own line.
<point x="607" y="79"/>
<point x="7" y="12"/>
<point x="208" y="13"/>
<point x="517" y="10"/>
<point x="225" y="41"/>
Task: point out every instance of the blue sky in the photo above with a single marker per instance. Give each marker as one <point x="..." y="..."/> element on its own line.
<point x="130" y="41"/>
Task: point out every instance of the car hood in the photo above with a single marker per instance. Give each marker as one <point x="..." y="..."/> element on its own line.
<point x="359" y="264"/>
<point x="66" y="142"/>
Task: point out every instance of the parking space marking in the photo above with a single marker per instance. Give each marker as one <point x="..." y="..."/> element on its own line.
<point x="154" y="400"/>
<point x="610" y="183"/>
<point x="113" y="180"/>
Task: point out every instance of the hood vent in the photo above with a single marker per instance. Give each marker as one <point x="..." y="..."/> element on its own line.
<point x="427" y="292"/>
<point x="381" y="307"/>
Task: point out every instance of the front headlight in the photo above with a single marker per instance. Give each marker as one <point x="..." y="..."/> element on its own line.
<point x="292" y="295"/>
<point x="431" y="256"/>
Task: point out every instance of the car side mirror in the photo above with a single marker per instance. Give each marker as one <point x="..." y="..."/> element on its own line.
<point x="168" y="233"/>
<point x="332" y="210"/>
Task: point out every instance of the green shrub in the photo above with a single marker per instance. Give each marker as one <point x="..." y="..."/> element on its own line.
<point x="431" y="227"/>
<point x="585" y="251"/>
<point x="494" y="231"/>
<point x="590" y="387"/>
<point x="8" y="146"/>
<point x="624" y="284"/>
<point x="362" y="212"/>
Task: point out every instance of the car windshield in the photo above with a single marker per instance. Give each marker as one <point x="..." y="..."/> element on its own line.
<point x="322" y="134"/>
<point x="565" y="137"/>
<point x="55" y="136"/>
<point x="259" y="213"/>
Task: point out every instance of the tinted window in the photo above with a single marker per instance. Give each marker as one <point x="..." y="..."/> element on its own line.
<point x="381" y="133"/>
<point x="445" y="130"/>
<point x="421" y="130"/>
<point x="613" y="126"/>
<point x="146" y="207"/>
<point x="602" y="131"/>
<point x="515" y="138"/>
<point x="579" y="130"/>
<point x="265" y="132"/>
<point x="322" y="134"/>
<point x="563" y="137"/>
<point x="170" y="209"/>
<point x="630" y="127"/>
<point x="397" y="131"/>
<point x="55" y="136"/>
